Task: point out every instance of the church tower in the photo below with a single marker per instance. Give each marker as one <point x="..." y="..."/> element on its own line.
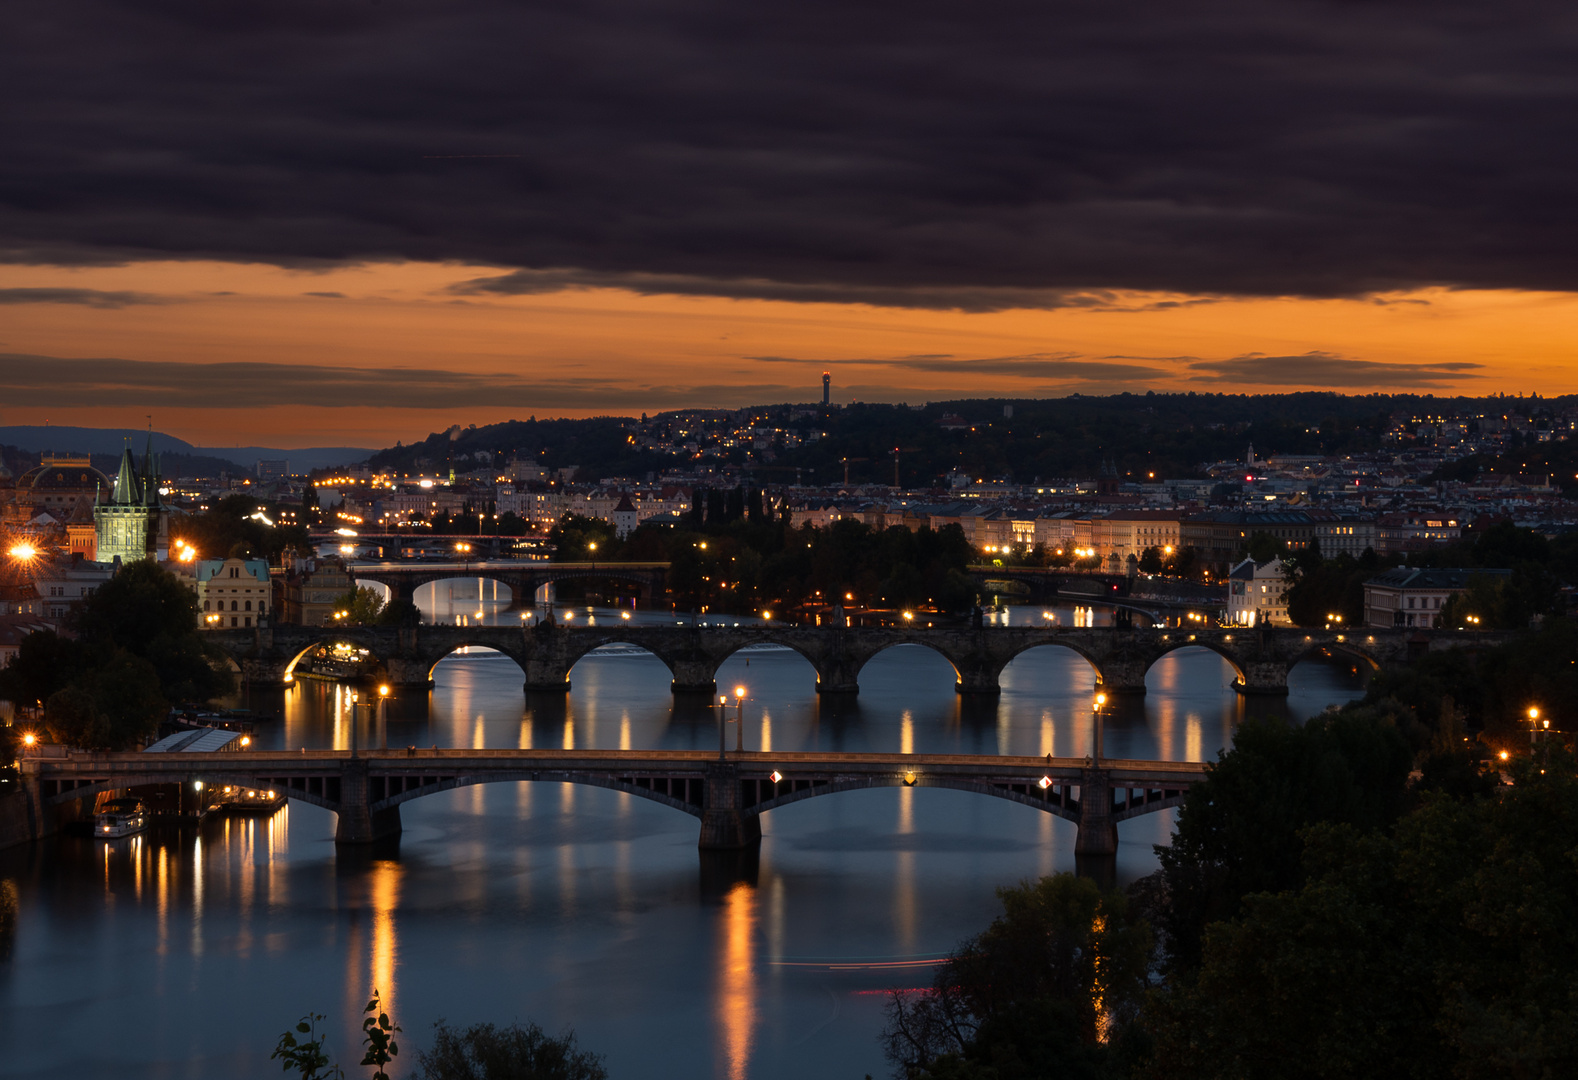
<point x="132" y="524"/>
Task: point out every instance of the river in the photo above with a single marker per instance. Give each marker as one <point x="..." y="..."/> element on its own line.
<point x="186" y="954"/>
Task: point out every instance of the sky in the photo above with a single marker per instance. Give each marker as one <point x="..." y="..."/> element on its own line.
<point x="340" y="222"/>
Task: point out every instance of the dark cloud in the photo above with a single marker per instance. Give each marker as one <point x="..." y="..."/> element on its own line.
<point x="925" y="154"/>
<point x="326" y="295"/>
<point x="1330" y="371"/>
<point x="937" y="298"/>
<point x="54" y="382"/>
<point x="97" y="298"/>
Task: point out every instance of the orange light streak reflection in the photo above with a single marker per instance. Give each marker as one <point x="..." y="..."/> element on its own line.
<point x="736" y="1009"/>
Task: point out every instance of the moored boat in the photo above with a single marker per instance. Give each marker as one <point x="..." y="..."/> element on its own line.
<point x="120" y="817"/>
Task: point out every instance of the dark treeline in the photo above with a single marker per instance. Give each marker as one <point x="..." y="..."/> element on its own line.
<point x="1318" y="914"/>
<point x="744" y="559"/>
<point x="1169" y="435"/>
<point x="133" y="651"/>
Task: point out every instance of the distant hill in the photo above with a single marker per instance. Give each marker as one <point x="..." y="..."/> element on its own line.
<point x="82" y="440"/>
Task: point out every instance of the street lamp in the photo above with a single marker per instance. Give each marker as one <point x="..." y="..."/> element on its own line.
<point x="1534" y="716"/>
<point x="723" y="719"/>
<point x="739" y="719"/>
<point x="1095" y="722"/>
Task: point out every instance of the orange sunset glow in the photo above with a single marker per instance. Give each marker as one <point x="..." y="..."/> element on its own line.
<point x="589" y="351"/>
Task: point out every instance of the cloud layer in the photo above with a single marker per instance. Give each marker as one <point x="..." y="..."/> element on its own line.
<point x="923" y="154"/>
<point x="32" y="381"/>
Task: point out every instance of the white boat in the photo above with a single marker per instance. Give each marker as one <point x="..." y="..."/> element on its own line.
<point x="119" y="817"/>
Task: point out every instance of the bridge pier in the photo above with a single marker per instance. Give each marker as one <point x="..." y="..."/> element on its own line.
<point x="1122" y="676"/>
<point x="977" y="680"/>
<point x="358" y="822"/>
<point x="695" y="676"/>
<point x="1268" y="677"/>
<point x="404" y="672"/>
<point x="547" y="674"/>
<point x="1098" y="833"/>
<point x="724" y="825"/>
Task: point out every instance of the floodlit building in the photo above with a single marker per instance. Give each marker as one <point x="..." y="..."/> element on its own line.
<point x="133" y="524"/>
<point x="1257" y="594"/>
<point x="232" y="593"/>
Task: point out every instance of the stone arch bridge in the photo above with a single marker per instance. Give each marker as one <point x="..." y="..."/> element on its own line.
<point x="1261" y="657"/>
<point x="729" y="794"/>
<point x="523" y="579"/>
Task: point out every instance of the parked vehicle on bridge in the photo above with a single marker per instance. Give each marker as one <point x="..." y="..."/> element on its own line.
<point x="120" y="817"/>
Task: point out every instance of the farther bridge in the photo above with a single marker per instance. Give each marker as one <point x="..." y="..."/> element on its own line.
<point x="728" y="793"/>
<point x="1261" y="656"/>
<point x="523" y="577"/>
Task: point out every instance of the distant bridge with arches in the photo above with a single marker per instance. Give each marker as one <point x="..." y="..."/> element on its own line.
<point x="729" y="793"/>
<point x="522" y="577"/>
<point x="1121" y="657"/>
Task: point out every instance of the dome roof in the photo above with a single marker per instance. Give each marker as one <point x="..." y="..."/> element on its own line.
<point x="59" y="476"/>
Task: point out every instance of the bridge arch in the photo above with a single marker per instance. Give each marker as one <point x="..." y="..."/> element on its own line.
<point x="913" y="639"/>
<point x="581" y="650"/>
<point x="785" y="643"/>
<point x="1052" y="801"/>
<point x="330" y="636"/>
<point x="686" y="794"/>
<point x="1030" y="646"/>
<point x="1168" y="647"/>
<point x="516" y="594"/>
<point x="221" y="776"/>
<point x="454" y="645"/>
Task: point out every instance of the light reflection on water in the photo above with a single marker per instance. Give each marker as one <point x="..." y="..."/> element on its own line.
<point x="173" y="955"/>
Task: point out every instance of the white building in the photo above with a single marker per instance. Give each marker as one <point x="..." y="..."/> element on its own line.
<point x="1257" y="594"/>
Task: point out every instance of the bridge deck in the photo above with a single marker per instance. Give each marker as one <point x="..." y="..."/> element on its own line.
<point x="483" y="760"/>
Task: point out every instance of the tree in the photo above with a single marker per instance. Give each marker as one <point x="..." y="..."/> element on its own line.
<point x="1151" y="561"/>
<point x="1445" y="948"/>
<point x="112" y="706"/>
<point x="486" y="1052"/>
<point x="151" y="613"/>
<point x="1239" y="831"/>
<point x="1263" y="547"/>
<point x="44" y="663"/>
<point x="364" y="606"/>
<point x="1048" y="989"/>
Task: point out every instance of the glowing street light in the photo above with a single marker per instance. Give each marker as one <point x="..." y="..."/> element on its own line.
<point x="23" y="551"/>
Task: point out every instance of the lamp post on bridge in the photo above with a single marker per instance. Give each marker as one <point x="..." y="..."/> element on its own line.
<point x="1095" y="724"/>
<point x="739" y="719"/>
<point x="723" y="720"/>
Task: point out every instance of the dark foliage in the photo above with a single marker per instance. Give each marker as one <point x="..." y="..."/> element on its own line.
<point x="486" y="1052"/>
<point x="1050" y="988"/>
<point x="1443" y="949"/>
<point x="1239" y="832"/>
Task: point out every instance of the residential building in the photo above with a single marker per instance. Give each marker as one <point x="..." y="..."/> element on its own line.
<point x="232" y="593"/>
<point x="311" y="593"/>
<point x="1407" y="596"/>
<point x="1257" y="594"/>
